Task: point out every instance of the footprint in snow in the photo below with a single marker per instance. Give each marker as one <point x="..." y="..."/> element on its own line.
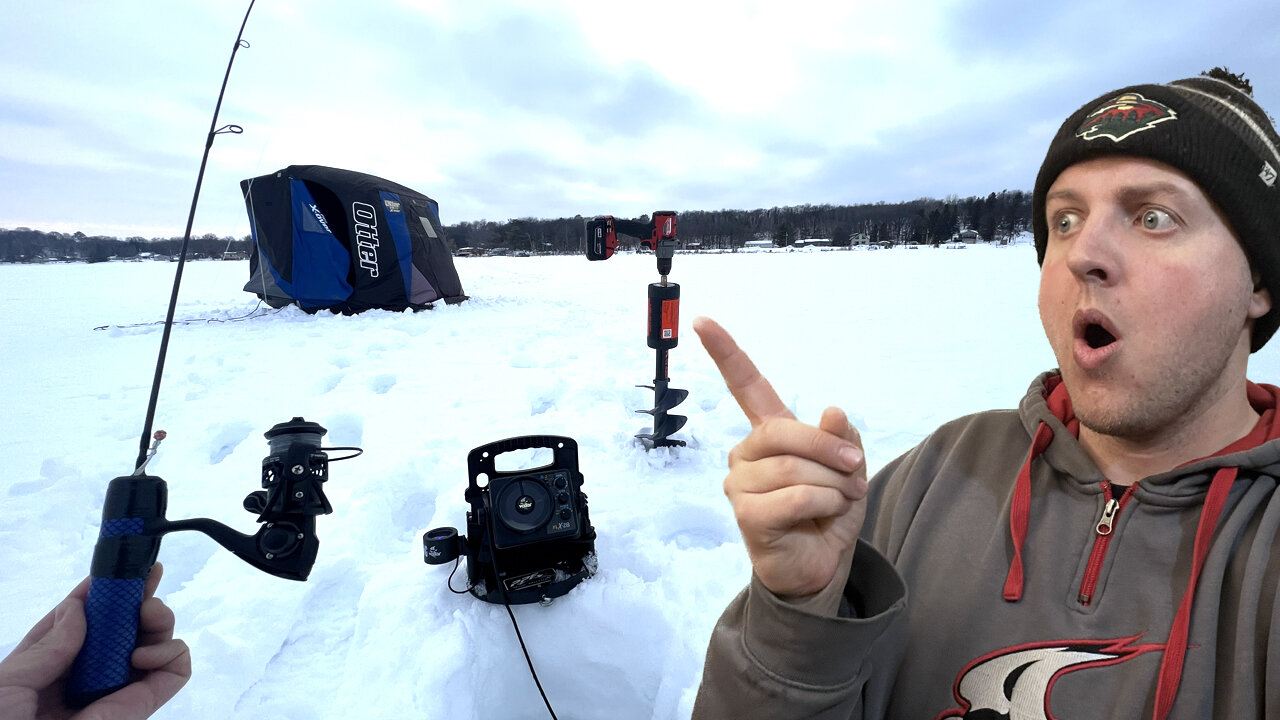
<point x="331" y="381"/>
<point x="226" y="439"/>
<point x="689" y="526"/>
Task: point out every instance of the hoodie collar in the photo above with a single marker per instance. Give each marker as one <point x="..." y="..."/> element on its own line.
<point x="1048" y="403"/>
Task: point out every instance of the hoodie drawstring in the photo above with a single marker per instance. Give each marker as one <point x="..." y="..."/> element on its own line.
<point x="1020" y="512"/>
<point x="1176" y="647"/>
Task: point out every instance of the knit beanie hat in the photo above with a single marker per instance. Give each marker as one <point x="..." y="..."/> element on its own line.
<point x="1207" y="128"/>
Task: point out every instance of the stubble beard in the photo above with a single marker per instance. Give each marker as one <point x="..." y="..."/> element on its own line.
<point x="1172" y="399"/>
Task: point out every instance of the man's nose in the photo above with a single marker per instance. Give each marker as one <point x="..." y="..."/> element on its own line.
<point x="1093" y="254"/>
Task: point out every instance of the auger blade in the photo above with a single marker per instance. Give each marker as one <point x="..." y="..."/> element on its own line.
<point x="665" y="404"/>
<point x="669" y="399"/>
<point x="663" y="427"/>
<point x="667" y="425"/>
<point x="664" y="398"/>
<point x="654" y="441"/>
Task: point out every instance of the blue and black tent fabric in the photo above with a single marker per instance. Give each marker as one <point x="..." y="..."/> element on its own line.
<point x="326" y="238"/>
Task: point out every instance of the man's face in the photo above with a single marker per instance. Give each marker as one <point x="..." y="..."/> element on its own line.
<point x="1145" y="295"/>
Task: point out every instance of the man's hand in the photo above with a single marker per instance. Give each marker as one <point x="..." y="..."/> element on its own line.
<point x="798" y="491"/>
<point x="33" y="677"/>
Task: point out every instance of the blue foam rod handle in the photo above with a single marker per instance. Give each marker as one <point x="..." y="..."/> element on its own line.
<point x="111" y="619"/>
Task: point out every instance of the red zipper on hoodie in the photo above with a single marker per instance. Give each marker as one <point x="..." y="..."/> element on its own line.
<point x="1261" y="432"/>
<point x="1110" y="511"/>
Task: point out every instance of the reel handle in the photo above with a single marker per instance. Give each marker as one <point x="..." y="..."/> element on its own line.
<point x="122" y="559"/>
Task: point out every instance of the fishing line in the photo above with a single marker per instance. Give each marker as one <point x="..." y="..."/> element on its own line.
<point x="214" y="131"/>
<point x="251" y="315"/>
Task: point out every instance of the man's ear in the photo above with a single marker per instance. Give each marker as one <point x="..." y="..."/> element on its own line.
<point x="1260" y="303"/>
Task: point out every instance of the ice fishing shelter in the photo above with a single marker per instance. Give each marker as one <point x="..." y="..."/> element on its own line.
<point x="326" y="238"/>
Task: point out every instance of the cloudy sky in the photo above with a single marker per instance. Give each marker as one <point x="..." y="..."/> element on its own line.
<point x="556" y="108"/>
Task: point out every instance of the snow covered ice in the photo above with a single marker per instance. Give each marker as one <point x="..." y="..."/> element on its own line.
<point x="902" y="340"/>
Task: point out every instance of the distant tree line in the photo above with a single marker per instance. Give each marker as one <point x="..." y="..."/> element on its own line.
<point x="560" y="236"/>
<point x="925" y="221"/>
<point x="27" y="245"/>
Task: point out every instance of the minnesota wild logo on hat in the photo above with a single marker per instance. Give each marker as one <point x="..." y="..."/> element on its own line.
<point x="1123" y="116"/>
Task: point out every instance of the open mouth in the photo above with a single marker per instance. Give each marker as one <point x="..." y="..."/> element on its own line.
<point x="1097" y="336"/>
<point x="1094" y="334"/>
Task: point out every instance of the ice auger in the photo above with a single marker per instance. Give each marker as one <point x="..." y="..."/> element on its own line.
<point x="659" y="235"/>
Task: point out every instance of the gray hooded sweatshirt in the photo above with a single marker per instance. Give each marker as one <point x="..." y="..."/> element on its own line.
<point x="999" y="576"/>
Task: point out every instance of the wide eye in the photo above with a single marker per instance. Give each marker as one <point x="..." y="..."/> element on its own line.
<point x="1065" y="222"/>
<point x="1154" y="219"/>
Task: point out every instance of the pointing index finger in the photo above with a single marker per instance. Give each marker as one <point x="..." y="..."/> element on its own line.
<point x="753" y="392"/>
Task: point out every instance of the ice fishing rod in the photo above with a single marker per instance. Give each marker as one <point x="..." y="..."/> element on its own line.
<point x="186" y="240"/>
<point x="133" y="511"/>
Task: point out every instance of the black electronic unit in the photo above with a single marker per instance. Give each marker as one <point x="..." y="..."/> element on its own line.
<point x="529" y="537"/>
